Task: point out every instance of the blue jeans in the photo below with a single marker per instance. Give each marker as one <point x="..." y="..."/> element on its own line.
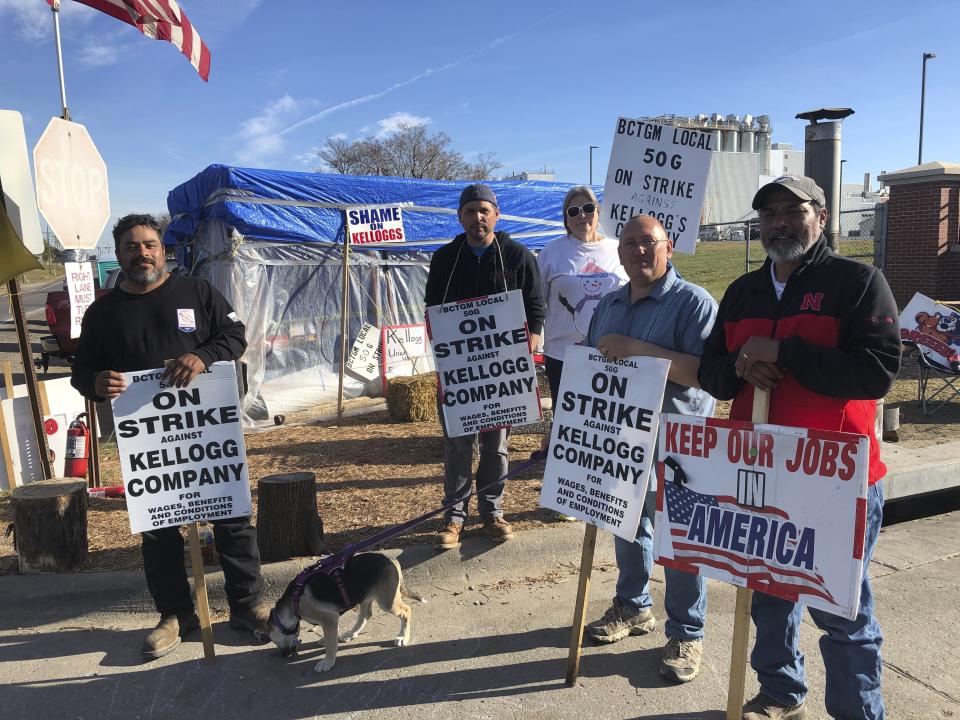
<point x="685" y="598"/>
<point x="850" y="648"/>
<point x="458" y="473"/>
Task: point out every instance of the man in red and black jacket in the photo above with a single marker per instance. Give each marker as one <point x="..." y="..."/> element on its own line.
<point x="820" y="333"/>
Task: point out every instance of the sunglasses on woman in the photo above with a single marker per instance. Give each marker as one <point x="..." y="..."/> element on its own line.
<point x="586" y="209"/>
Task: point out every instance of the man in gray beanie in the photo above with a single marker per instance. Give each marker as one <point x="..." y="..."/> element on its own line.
<point x="479" y="262"/>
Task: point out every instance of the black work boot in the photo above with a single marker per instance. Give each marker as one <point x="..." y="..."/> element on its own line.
<point x="255" y="619"/>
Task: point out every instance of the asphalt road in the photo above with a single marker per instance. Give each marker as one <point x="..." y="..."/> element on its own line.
<point x="34" y="299"/>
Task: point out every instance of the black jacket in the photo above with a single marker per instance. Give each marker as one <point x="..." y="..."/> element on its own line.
<point x="468" y="276"/>
<point x="125" y="332"/>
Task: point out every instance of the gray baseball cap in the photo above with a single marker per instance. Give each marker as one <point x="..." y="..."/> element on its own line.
<point x="477" y="191"/>
<point x="798" y="185"/>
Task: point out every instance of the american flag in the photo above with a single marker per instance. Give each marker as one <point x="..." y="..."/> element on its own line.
<point x="160" y="20"/>
<point x="759" y="573"/>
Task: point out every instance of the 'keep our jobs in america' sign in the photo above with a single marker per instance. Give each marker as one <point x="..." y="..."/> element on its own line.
<point x="181" y="450"/>
<point x="780" y="510"/>
<point x="602" y="443"/>
<point x="486" y="373"/>
<point x="661" y="171"/>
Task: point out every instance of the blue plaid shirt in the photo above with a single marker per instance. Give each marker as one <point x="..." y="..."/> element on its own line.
<point x="676" y="315"/>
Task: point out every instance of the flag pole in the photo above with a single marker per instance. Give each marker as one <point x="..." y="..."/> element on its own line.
<point x="344" y="309"/>
<point x="55" y="9"/>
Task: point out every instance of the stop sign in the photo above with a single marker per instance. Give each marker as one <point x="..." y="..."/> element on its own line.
<point x="71" y="184"/>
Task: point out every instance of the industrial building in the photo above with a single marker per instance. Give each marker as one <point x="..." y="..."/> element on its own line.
<point x="745" y="159"/>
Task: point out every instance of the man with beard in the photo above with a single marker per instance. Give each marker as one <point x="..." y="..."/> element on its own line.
<point x="481" y="262"/>
<point x="820" y="333"/>
<point x="153" y="319"/>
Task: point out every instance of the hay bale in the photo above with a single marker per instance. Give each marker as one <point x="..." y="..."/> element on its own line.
<point x="414" y="398"/>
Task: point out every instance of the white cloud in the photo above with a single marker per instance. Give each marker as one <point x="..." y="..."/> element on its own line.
<point x="93" y="55"/>
<point x="390" y="125"/>
<point x="258" y="136"/>
<point x="309" y="158"/>
<point x="362" y="99"/>
<point x="33" y="21"/>
<point x="338" y="136"/>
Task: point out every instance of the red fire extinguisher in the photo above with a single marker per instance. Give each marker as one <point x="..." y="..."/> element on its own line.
<point x="77" y="454"/>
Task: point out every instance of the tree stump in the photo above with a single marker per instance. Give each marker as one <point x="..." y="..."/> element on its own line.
<point x="50" y="525"/>
<point x="288" y="524"/>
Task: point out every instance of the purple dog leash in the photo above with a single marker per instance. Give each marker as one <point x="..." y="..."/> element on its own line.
<point x="333" y="564"/>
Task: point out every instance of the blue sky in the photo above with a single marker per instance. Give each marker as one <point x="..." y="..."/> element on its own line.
<point x="535" y="82"/>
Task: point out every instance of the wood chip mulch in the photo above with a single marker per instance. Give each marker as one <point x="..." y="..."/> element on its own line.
<point x="372" y="473"/>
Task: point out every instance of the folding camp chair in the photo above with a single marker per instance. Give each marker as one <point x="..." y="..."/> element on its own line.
<point x="945" y="387"/>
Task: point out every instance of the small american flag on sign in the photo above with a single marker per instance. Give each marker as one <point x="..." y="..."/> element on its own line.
<point x="757" y="569"/>
<point x="160" y="20"/>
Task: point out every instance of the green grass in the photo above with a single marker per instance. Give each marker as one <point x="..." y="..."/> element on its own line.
<point x="717" y="264"/>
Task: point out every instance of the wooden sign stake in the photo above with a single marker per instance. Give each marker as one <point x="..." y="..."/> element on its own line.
<point x="741" y="617"/>
<point x="583" y="596"/>
<point x="200" y="590"/>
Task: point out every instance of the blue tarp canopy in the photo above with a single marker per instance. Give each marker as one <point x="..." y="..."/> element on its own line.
<point x="299" y="207"/>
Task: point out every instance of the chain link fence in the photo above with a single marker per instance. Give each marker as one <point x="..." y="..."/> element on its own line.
<point x="727" y="250"/>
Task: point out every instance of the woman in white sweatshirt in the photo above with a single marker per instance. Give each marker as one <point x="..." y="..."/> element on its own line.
<point x="576" y="271"/>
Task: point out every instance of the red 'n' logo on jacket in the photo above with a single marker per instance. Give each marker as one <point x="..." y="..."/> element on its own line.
<point x="812" y="301"/>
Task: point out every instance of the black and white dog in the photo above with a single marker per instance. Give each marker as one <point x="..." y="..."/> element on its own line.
<point x="320" y="597"/>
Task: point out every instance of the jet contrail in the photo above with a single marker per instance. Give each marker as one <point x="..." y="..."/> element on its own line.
<point x="409" y="81"/>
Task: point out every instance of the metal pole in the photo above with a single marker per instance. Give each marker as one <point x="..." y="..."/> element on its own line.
<point x="923" y="94"/>
<point x="344" y="308"/>
<point x="55" y="9"/>
<point x="592" y="148"/>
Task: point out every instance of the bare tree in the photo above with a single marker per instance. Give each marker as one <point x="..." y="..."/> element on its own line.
<point x="409" y="152"/>
<point x="164" y="220"/>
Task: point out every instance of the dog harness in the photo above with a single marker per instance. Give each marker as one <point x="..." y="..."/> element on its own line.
<point x="332" y="566"/>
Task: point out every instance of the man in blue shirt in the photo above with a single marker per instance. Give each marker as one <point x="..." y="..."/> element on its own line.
<point x="656" y="314"/>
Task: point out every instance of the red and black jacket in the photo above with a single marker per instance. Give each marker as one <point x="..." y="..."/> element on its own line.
<point x="839" y="335"/>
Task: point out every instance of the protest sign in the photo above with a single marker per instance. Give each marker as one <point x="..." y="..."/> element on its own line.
<point x="934" y="327"/>
<point x="365" y="352"/>
<point x="602" y="443"/>
<point x="780" y="510"/>
<point x="81" y="292"/>
<point x="182" y="455"/>
<point x="486" y="373"/>
<point x="404" y="350"/>
<point x="657" y="170"/>
<point x="375" y="224"/>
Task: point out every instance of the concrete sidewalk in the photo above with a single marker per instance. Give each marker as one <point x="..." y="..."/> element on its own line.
<point x="491" y="643"/>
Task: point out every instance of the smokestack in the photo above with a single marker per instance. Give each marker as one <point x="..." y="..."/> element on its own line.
<point x="821" y="160"/>
<point x="866" y="184"/>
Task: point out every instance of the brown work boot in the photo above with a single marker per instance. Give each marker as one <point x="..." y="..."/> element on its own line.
<point x="166" y="635"/>
<point x="764" y="707"/>
<point x="497" y="529"/>
<point x="254" y="619"/>
<point x="449" y="537"/>
<point x="680" y="661"/>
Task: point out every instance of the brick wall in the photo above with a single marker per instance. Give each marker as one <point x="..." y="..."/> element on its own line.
<point x="923" y="246"/>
